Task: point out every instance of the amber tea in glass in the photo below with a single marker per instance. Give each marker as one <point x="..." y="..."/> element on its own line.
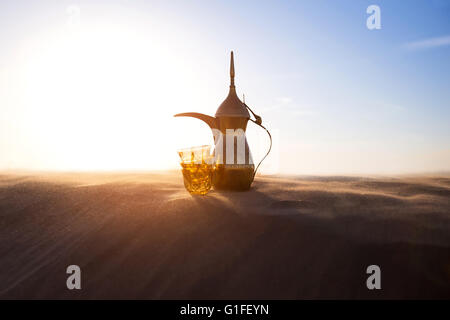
<point x="197" y="167"/>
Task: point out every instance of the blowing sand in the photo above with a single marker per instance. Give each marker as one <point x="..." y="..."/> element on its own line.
<point x="144" y="236"/>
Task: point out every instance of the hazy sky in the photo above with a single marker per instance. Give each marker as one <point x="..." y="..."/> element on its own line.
<point x="93" y="85"/>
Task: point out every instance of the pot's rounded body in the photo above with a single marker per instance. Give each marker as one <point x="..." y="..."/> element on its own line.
<point x="233" y="171"/>
<point x="233" y="177"/>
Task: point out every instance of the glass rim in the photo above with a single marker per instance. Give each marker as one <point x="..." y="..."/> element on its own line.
<point x="203" y="147"/>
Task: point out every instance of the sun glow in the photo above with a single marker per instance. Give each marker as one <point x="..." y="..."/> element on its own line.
<point x="100" y="98"/>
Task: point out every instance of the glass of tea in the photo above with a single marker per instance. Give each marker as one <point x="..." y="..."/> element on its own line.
<point x="197" y="167"/>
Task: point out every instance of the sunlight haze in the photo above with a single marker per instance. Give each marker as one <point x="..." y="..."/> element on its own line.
<point x="90" y="86"/>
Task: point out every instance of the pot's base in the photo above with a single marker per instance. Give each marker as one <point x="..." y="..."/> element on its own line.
<point x="233" y="177"/>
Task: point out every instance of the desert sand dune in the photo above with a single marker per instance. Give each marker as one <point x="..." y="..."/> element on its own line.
<point x="142" y="235"/>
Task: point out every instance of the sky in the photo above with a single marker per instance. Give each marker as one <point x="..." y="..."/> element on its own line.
<point x="94" y="85"/>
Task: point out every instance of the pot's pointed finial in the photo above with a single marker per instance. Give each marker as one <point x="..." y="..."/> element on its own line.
<point x="232" y="106"/>
<point x="232" y="71"/>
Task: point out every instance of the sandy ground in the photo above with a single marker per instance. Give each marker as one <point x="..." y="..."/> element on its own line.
<point x="144" y="236"/>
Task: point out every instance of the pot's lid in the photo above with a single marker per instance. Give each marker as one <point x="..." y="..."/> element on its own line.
<point x="232" y="106"/>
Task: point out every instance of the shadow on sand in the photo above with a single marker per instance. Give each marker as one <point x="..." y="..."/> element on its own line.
<point x="141" y="240"/>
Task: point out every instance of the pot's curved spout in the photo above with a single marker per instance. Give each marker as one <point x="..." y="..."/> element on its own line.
<point x="210" y="121"/>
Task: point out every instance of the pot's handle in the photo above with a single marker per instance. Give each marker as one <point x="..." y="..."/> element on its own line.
<point x="258" y="121"/>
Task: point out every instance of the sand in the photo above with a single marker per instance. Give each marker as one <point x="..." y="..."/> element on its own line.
<point x="142" y="236"/>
